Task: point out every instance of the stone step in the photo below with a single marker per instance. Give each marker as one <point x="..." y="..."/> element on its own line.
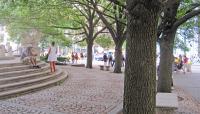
<point x="7" y="80"/>
<point x="17" y="85"/>
<point x="7" y="58"/>
<point x="19" y="67"/>
<point x="31" y="88"/>
<point x="23" y="72"/>
<point x="12" y="63"/>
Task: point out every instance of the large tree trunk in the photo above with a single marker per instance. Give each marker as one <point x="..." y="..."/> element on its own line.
<point x="118" y="59"/>
<point x="166" y="60"/>
<point x="199" y="43"/>
<point x="89" y="54"/>
<point x="140" y="68"/>
<point x="199" y="37"/>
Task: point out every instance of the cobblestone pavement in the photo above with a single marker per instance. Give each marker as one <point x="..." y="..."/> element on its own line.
<point x="86" y="91"/>
<point x="189" y="82"/>
<point x="188" y="89"/>
<point x="187" y="104"/>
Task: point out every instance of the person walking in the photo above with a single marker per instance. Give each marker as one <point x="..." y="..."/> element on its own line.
<point x="185" y="63"/>
<point x="105" y="59"/>
<point x="110" y="59"/>
<point x="76" y="57"/>
<point x="52" y="56"/>
<point x="73" y="57"/>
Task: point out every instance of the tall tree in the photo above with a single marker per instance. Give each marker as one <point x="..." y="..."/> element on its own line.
<point x="198" y="32"/>
<point x="171" y="19"/>
<point x="140" y="80"/>
<point x="89" y="27"/>
<point x="115" y="21"/>
<point x="104" y="41"/>
<point x="51" y="15"/>
<point x="23" y="16"/>
<point x="185" y="35"/>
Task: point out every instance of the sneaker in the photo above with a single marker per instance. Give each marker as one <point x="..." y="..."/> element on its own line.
<point x="34" y="66"/>
<point x="37" y="66"/>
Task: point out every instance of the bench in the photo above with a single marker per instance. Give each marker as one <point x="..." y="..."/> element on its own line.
<point x="78" y="65"/>
<point x="107" y="68"/>
<point x="102" y="67"/>
<point x="166" y="103"/>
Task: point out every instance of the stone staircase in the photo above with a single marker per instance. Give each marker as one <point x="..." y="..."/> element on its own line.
<point x="17" y="79"/>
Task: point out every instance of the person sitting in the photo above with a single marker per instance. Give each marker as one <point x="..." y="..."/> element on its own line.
<point x="29" y="54"/>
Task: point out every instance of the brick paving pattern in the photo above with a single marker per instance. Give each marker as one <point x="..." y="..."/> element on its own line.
<point x="187" y="104"/>
<point x="86" y="91"/>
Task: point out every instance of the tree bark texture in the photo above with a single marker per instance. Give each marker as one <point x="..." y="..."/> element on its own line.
<point x="90" y="40"/>
<point x="166" y="36"/>
<point x="117" y="32"/>
<point x="199" y="43"/>
<point x="166" y="41"/>
<point x="198" y="37"/>
<point x="118" y="59"/>
<point x="89" y="54"/>
<point x="140" y="68"/>
<point x="166" y="60"/>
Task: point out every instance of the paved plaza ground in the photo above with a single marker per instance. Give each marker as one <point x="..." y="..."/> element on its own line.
<point x="86" y="91"/>
<point x="92" y="91"/>
<point x="188" y="87"/>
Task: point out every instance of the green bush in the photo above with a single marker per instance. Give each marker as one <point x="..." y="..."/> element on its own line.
<point x="43" y="58"/>
<point x="60" y="59"/>
<point x="63" y="59"/>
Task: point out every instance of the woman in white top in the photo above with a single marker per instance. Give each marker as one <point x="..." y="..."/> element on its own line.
<point x="52" y="56"/>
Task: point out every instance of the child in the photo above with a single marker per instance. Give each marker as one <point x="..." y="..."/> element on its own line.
<point x="52" y="56"/>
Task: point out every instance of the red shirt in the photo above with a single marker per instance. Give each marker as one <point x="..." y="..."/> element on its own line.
<point x="185" y="60"/>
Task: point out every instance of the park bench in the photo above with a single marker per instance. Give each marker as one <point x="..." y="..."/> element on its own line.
<point x="78" y="65"/>
<point x="107" y="68"/>
<point x="102" y="67"/>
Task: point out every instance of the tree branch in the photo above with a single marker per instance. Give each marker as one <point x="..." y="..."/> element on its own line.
<point x="81" y="33"/>
<point x="100" y="31"/>
<point x="81" y="12"/>
<point x="186" y="17"/>
<point x="107" y="24"/>
<point x="80" y="41"/>
<point x="62" y="27"/>
<point x="118" y="3"/>
<point x="85" y="31"/>
<point x="195" y="5"/>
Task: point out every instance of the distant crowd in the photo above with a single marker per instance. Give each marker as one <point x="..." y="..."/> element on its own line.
<point x="109" y="60"/>
<point x="75" y="57"/>
<point x="182" y="63"/>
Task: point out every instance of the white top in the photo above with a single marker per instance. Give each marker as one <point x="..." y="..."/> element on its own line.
<point x="53" y="54"/>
